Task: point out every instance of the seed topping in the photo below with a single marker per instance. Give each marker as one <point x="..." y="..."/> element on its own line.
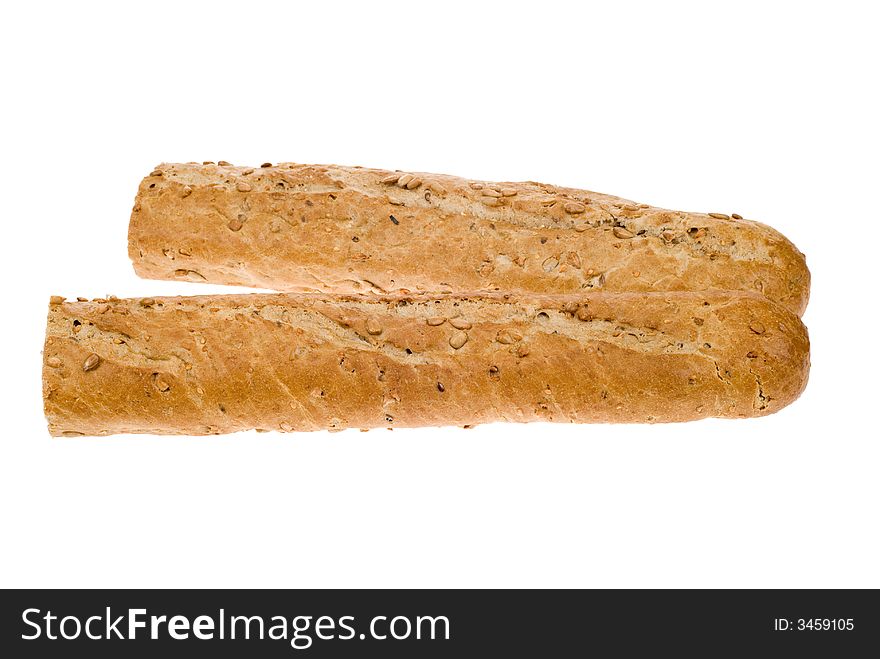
<point x="458" y="339"/>
<point x="435" y="187"/>
<point x="373" y="327"/>
<point x="91" y="363"/>
<point x="550" y="263"/>
<point x="160" y="383"/>
<point x="508" y="336"/>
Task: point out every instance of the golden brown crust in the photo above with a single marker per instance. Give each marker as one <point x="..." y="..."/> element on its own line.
<point x="354" y="230"/>
<point x="217" y="364"/>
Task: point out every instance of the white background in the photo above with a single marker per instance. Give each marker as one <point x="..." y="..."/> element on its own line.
<point x="768" y="109"/>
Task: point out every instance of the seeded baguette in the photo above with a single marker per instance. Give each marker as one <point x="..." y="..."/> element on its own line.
<point x="349" y="230"/>
<point x="218" y="364"/>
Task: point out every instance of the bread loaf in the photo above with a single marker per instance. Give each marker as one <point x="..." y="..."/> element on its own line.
<point x="355" y="230"/>
<point x="218" y="364"/>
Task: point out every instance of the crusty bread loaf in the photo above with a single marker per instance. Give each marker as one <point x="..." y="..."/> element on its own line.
<point x="217" y="364"/>
<point x="355" y="230"/>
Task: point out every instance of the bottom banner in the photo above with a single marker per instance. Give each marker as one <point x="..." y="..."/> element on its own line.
<point x="429" y="623"/>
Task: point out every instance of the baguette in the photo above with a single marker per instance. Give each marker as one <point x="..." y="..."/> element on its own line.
<point x="350" y="230"/>
<point x="218" y="364"/>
